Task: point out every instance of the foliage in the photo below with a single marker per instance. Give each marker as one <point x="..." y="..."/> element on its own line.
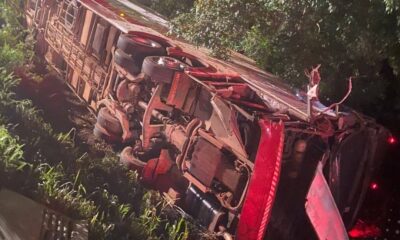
<point x="178" y="230"/>
<point x="13" y="51"/>
<point x="216" y="24"/>
<point x="11" y="152"/>
<point x="168" y="8"/>
<point x="349" y="38"/>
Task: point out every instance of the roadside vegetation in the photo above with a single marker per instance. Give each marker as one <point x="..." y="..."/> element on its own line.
<point x="168" y="8"/>
<point x="51" y="168"/>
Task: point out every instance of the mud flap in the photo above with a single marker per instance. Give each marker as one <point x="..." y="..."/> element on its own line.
<point x="322" y="210"/>
<point x="257" y="207"/>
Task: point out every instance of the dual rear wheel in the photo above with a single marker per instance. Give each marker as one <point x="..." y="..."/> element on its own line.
<point x="136" y="54"/>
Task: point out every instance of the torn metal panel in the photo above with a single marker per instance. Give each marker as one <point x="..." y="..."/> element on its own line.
<point x="322" y="210"/>
<point x="223" y="124"/>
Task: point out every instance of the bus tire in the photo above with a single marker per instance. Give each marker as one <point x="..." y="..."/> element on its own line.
<point x="161" y="69"/>
<point x="109" y="122"/>
<point x="139" y="47"/>
<point x="109" y="138"/>
<point x="126" y="62"/>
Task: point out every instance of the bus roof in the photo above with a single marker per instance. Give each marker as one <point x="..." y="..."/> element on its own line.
<point x="131" y="17"/>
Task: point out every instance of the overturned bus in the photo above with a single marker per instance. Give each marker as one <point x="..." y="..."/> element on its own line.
<point x="243" y="154"/>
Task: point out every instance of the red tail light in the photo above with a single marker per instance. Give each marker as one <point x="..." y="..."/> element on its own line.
<point x="374" y="186"/>
<point x="392" y="140"/>
<point x="364" y="230"/>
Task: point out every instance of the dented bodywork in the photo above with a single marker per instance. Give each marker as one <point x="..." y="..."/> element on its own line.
<point x="224" y="140"/>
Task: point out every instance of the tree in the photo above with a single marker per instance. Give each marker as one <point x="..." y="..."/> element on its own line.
<point x="349" y="38"/>
<point x="12" y="50"/>
<point x="219" y="25"/>
<point x="168" y="8"/>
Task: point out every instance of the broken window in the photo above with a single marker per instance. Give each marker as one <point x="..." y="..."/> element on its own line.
<point x="100" y="33"/>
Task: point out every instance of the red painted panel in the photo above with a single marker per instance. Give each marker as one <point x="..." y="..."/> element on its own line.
<point x="263" y="184"/>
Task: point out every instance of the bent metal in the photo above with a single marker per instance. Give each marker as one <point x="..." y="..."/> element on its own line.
<point x="235" y="148"/>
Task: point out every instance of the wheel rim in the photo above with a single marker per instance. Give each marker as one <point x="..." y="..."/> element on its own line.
<point x="168" y="62"/>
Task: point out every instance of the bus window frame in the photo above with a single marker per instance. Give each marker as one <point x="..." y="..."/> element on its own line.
<point x="102" y="54"/>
